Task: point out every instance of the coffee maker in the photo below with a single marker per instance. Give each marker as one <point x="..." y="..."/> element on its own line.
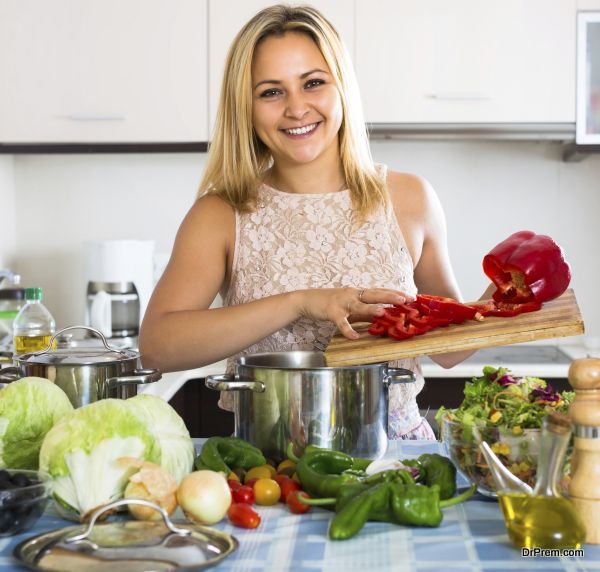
<point x="119" y="276"/>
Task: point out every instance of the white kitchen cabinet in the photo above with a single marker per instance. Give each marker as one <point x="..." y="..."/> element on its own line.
<point x="128" y="71"/>
<point x="466" y="61"/>
<point x="227" y="18"/>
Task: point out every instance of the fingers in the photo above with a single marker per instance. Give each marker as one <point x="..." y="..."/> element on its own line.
<point x="383" y="296"/>
<point x="346" y="329"/>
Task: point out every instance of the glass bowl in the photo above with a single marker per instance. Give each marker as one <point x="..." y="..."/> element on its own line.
<point x="23" y="498"/>
<point x="518" y="452"/>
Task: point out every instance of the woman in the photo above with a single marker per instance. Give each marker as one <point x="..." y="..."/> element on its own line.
<point x="294" y="225"/>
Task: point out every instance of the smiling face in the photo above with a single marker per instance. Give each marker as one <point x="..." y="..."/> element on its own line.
<point x="296" y="109"/>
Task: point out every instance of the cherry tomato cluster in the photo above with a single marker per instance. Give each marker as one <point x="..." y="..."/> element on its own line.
<point x="264" y="486"/>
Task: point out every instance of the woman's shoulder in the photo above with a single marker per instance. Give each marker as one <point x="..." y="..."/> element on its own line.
<point x="409" y="189"/>
<point x="213" y="208"/>
<point x="209" y="214"/>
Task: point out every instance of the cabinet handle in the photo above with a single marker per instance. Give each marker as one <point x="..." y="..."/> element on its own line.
<point x="451" y="96"/>
<point x="96" y="117"/>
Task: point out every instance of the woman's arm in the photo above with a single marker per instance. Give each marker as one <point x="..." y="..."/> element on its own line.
<point x="422" y="220"/>
<point x="179" y="330"/>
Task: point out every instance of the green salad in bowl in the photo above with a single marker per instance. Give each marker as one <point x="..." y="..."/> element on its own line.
<point x="505" y="411"/>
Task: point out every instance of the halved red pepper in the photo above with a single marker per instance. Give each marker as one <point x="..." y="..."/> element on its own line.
<point x="527" y="267"/>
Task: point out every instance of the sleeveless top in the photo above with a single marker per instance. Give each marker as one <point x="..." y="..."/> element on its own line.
<point x="297" y="241"/>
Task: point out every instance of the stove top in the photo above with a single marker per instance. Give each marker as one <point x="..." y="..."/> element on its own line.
<point x="507" y="355"/>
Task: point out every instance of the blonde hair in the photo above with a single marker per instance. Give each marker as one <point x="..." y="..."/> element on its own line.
<point x="237" y="158"/>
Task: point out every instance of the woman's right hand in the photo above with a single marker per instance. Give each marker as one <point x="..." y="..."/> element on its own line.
<point x="345" y="305"/>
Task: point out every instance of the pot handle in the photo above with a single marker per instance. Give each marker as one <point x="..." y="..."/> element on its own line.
<point x="398" y="375"/>
<point x="9" y="374"/>
<point x="135" y="377"/>
<point x="231" y="382"/>
<point x="89" y="329"/>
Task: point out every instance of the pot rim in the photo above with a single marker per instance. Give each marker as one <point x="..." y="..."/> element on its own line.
<point x="240" y="362"/>
<point x="63" y="357"/>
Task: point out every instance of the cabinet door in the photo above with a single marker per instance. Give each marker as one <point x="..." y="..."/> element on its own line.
<point x="438" y="61"/>
<point x="103" y="71"/>
<point x="227" y="18"/>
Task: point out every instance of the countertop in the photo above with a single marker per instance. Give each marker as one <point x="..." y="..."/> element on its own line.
<point x="545" y="360"/>
<point x="472" y="536"/>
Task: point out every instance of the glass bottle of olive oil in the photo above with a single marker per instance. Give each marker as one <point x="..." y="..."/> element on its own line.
<point x="546" y="518"/>
<point x="34" y="325"/>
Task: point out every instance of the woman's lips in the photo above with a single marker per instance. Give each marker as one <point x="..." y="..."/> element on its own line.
<point x="296" y="136"/>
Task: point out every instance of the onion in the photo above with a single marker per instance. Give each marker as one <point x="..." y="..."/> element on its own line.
<point x="204" y="496"/>
<point x="151" y="483"/>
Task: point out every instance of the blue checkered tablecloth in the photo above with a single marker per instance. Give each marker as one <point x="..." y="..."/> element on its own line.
<point x="471" y="537"/>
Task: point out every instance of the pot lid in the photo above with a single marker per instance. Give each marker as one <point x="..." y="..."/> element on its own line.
<point x="126" y="545"/>
<point x="77" y="356"/>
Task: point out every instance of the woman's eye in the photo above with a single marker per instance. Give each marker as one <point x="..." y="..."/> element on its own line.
<point x="269" y="93"/>
<point x="314" y="83"/>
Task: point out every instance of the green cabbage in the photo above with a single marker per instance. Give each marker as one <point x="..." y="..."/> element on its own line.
<point x="29" y="407"/>
<point x="80" y="453"/>
<point x="176" y="448"/>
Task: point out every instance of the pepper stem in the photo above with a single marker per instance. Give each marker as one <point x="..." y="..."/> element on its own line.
<point x="316" y="502"/>
<point x="459" y="498"/>
<point x="290" y="453"/>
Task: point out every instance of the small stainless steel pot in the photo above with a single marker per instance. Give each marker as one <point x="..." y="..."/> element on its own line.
<point x="292" y="397"/>
<point x="85" y="374"/>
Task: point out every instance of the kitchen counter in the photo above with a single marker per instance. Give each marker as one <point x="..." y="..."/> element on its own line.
<point x="472" y="536"/>
<point x="545" y="360"/>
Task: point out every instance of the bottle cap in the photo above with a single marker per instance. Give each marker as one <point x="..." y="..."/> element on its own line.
<point x="33" y="293"/>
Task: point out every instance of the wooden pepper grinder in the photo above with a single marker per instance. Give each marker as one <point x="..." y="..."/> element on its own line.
<point x="584" y="489"/>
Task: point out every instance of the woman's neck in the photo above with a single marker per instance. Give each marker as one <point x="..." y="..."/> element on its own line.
<point x="310" y="178"/>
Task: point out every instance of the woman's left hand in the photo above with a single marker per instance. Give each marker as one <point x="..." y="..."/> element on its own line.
<point x="342" y="306"/>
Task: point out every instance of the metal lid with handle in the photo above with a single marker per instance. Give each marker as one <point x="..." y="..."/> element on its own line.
<point x="127" y="545"/>
<point x="78" y="355"/>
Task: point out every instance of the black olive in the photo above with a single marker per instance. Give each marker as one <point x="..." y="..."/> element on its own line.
<point x="4" y="478"/>
<point x="21" y="480"/>
<point x="7" y="519"/>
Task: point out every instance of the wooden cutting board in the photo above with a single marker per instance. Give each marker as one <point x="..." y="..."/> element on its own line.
<point x="558" y="318"/>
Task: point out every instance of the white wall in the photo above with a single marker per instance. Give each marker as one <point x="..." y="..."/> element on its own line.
<point x="63" y="200"/>
<point x="7" y="212"/>
<point x="488" y="190"/>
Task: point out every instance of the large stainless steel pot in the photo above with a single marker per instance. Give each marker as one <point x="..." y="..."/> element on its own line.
<point x="292" y="396"/>
<point x="85" y="374"/>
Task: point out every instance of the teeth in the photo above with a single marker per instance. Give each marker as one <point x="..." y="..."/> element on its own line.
<point x="301" y="130"/>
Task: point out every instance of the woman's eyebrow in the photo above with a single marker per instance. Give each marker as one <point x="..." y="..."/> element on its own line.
<point x="302" y="76"/>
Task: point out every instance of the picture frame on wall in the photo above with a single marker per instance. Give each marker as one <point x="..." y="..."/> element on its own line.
<point x="588" y="79"/>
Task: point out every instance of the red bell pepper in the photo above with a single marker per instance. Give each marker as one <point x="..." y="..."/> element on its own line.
<point x="527" y="267"/>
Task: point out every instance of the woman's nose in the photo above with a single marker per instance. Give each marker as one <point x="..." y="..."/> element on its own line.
<point x="296" y="107"/>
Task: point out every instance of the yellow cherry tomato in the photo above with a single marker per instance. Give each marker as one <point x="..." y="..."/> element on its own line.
<point x="286" y="466"/>
<point x="233" y="477"/>
<point x="257" y="473"/>
<point x="272" y="470"/>
<point x="266" y="492"/>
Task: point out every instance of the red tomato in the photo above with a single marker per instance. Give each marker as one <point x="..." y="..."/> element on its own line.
<point x="287" y="487"/>
<point x="243" y="515"/>
<point x="244" y="494"/>
<point x="234" y="485"/>
<point x="250" y="483"/>
<point x="295" y="505"/>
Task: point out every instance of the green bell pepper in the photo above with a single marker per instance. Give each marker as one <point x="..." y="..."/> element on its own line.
<point x="227" y="453"/>
<point x="395" y="502"/>
<point x="438" y="470"/>
<point x="321" y="471"/>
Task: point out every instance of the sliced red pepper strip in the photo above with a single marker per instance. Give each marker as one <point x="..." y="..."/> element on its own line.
<point x="526" y="267"/>
<point x="507" y="309"/>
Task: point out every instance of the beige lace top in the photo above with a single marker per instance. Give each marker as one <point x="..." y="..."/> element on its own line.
<point x="297" y="241"/>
